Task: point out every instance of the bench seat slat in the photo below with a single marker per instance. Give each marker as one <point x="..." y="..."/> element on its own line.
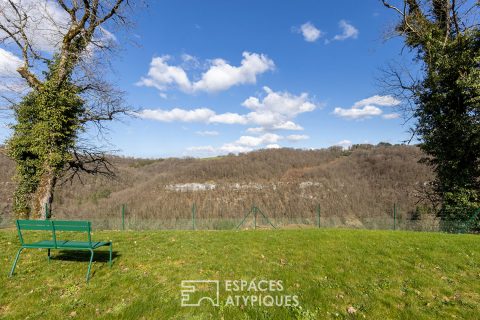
<point x="45" y="225"/>
<point x="38" y="228"/>
<point x="70" y="228"/>
<point x="34" y="222"/>
<point x="63" y="244"/>
<point x="62" y="225"/>
<point x="82" y="244"/>
<point x="44" y="244"/>
<point x="59" y="225"/>
<point x="71" y="222"/>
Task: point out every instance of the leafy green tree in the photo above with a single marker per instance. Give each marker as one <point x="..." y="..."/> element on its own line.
<point x="445" y="38"/>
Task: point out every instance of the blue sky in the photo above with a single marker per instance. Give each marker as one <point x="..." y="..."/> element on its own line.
<point x="213" y="77"/>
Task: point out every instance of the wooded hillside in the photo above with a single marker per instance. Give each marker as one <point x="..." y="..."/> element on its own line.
<point x="361" y="182"/>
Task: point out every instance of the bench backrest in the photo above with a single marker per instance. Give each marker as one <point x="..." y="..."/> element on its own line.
<point x="53" y="226"/>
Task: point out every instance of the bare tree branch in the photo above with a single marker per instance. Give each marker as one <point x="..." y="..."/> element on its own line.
<point x="72" y="42"/>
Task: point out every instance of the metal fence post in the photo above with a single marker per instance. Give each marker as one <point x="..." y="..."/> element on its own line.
<point x="394" y="216"/>
<point x="318" y="216"/>
<point x="194" y="209"/>
<point x="123" y="216"/>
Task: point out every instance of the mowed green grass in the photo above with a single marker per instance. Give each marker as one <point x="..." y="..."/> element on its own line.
<point x="382" y="274"/>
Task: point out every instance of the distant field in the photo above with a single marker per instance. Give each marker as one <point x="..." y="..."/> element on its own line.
<point x="377" y="274"/>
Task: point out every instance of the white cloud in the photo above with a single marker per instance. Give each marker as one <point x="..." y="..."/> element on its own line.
<point x="10" y="80"/>
<point x="310" y="32"/>
<point x="358" y="113"/>
<point x="384" y="101"/>
<point x="297" y="137"/>
<point x="189" y="61"/>
<point x="45" y="28"/>
<point x="9" y="63"/>
<point x="102" y="39"/>
<point x="256" y="130"/>
<point x="188" y="57"/>
<point x="220" y="75"/>
<point x="250" y="141"/>
<point x="272" y="111"/>
<point x="233" y="148"/>
<point x="281" y="102"/>
<point x="228" y="118"/>
<point x="204" y="115"/>
<point x="344" y="143"/>
<point x="161" y="75"/>
<point x="275" y="111"/>
<point x="202" y="149"/>
<point x="224" y="149"/>
<point x="390" y="116"/>
<point x="196" y="115"/>
<point x="11" y="87"/>
<point x="243" y="144"/>
<point x="288" y="125"/>
<point x="47" y="23"/>
<point x="272" y="146"/>
<point x="207" y="133"/>
<point x="348" y="31"/>
<point x="369" y="107"/>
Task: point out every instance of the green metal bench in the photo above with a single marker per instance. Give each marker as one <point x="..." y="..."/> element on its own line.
<point x="54" y="243"/>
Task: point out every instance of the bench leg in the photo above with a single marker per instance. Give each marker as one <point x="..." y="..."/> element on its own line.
<point x="90" y="265"/>
<point x="15" y="262"/>
<point x="48" y="255"/>
<point x="110" y="254"/>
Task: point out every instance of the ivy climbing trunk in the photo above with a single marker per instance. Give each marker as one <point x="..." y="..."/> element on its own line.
<point x="66" y="93"/>
<point x="43" y="196"/>
<point x="42" y="143"/>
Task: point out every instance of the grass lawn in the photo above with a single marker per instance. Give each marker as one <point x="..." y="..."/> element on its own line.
<point x="381" y="274"/>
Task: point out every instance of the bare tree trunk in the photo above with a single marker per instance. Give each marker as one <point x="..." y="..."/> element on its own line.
<point x="43" y="197"/>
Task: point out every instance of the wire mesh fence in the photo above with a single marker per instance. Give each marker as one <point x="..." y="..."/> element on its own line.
<point x="208" y="215"/>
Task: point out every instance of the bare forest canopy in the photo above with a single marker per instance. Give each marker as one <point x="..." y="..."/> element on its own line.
<point x="363" y="181"/>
